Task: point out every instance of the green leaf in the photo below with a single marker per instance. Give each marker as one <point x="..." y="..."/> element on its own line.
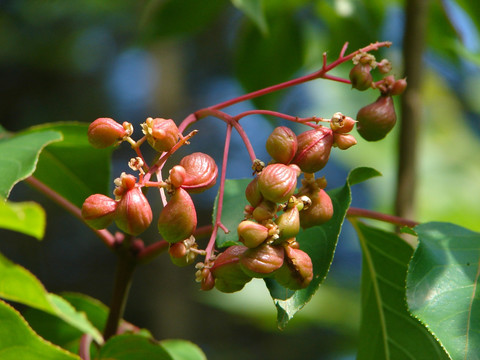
<point x="72" y="167"/>
<point x="25" y="217"/>
<point x="132" y="347"/>
<point x="442" y="286"/>
<point x="61" y="333"/>
<point x="19" y="156"/>
<point x="254" y="10"/>
<point x="387" y="329"/>
<point x="262" y="61"/>
<point x="234" y="202"/>
<point x="19" y="285"/>
<point x="19" y="341"/>
<point x="183" y="350"/>
<point x="319" y="243"/>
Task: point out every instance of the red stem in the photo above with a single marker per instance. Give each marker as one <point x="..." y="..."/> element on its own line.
<point x="217" y="224"/>
<point x="103" y="234"/>
<point x="369" y="214"/>
<point x="296" y="119"/>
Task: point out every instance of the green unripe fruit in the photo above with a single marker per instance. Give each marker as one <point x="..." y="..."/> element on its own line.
<point x="262" y="261"/>
<point x="178" y="219"/>
<point x="377" y="119"/>
<point x="282" y="144"/>
<point x="251" y="233"/>
<point x="264" y="211"/>
<point x="360" y="76"/>
<point x="229" y="277"/>
<point x="288" y="224"/>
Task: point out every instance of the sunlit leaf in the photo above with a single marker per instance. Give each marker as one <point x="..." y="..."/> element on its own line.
<point x="19" y="285"/>
<point x="19" y="156"/>
<point x="387" y="329"/>
<point x="262" y="61"/>
<point x="25" y="217"/>
<point x="183" y="350"/>
<point x="72" y="167"/>
<point x="319" y="243"/>
<point x="19" y="341"/>
<point x="442" y="286"/>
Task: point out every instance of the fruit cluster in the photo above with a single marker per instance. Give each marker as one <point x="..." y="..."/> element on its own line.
<point x="377" y="119"/>
<point x="130" y="209"/>
<point x="277" y="208"/>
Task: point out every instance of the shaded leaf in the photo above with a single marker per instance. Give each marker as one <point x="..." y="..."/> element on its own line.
<point x="262" y="61"/>
<point x="319" y="243"/>
<point x="19" y="156"/>
<point x="72" y="167"/>
<point x="19" y="285"/>
<point x="254" y="10"/>
<point x="25" y="217"/>
<point x="442" y="286"/>
<point x="183" y="350"/>
<point x="387" y="329"/>
<point x="234" y="202"/>
<point x="19" y="341"/>
<point x="179" y="17"/>
<point x="132" y="347"/>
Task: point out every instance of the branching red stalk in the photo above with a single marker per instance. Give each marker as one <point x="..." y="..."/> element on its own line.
<point x="369" y="214"/>
<point x="231" y="121"/>
<point x="305" y="121"/>
<point x="103" y="234"/>
<point x="218" y="221"/>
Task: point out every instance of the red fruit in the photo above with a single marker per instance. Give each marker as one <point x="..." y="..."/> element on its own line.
<point x="180" y="252"/>
<point x="377" y="119"/>
<point x="162" y="134"/>
<point x="98" y="211"/>
<point x="297" y="270"/>
<point x="178" y="219"/>
<point x="252" y="192"/>
<point x="341" y="124"/>
<point x="319" y="212"/>
<point x="262" y="261"/>
<point x="313" y="149"/>
<point x="277" y="182"/>
<point x="201" y="172"/>
<point x="282" y="144"/>
<point x="398" y="87"/>
<point x="344" y="141"/>
<point x="177" y="176"/>
<point x="105" y="132"/>
<point x="133" y="214"/>
<point x="264" y="211"/>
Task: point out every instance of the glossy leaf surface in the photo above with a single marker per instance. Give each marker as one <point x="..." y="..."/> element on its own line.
<point x="19" y="156"/>
<point x="388" y="330"/>
<point x="25" y="217"/>
<point x="442" y="286"/>
<point x="19" y="341"/>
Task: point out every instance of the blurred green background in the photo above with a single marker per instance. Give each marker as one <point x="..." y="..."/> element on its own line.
<point x="83" y="59"/>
